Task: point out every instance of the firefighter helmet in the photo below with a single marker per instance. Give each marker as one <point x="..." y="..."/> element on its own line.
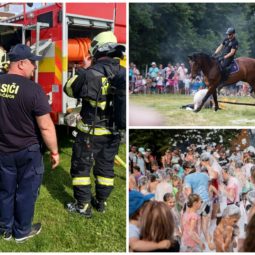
<point x="104" y="42"/>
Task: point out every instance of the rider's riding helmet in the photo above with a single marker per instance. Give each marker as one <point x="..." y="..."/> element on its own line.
<point x="105" y="43"/>
<point x="230" y="31"/>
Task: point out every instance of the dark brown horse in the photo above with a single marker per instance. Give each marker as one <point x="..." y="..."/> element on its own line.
<point x="212" y="73"/>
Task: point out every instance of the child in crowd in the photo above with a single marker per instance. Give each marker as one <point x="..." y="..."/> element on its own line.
<point x="166" y="159"/>
<point x="160" y="84"/>
<point x="157" y="225"/>
<point x="191" y="240"/>
<point x="178" y="192"/>
<point x="227" y="230"/>
<point x="163" y="187"/>
<point x="132" y="183"/>
<point x="153" y="183"/>
<point x="137" y="204"/>
<point x="139" y="85"/>
<point x="169" y="200"/>
<point x="143" y="185"/>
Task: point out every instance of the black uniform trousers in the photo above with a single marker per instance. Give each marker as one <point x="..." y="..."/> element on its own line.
<point x="225" y="65"/>
<point x="97" y="152"/>
<point x="20" y="178"/>
<point x="226" y="62"/>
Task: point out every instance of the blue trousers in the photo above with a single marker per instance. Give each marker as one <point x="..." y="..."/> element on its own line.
<point x="20" y="179"/>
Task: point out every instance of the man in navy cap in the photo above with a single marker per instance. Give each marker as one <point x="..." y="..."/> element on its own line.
<point x="25" y="122"/>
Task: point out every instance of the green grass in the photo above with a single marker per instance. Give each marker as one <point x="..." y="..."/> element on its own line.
<point x="168" y="106"/>
<point x="69" y="232"/>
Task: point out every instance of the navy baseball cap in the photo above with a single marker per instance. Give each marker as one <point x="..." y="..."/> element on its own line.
<point x="22" y="51"/>
<point x="136" y="200"/>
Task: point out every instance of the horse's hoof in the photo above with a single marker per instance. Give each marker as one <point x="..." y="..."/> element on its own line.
<point x="197" y="110"/>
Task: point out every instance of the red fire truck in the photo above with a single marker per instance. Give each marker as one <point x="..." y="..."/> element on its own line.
<point x="61" y="32"/>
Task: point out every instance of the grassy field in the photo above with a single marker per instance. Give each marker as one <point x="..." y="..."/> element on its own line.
<point x="169" y="107"/>
<point x="66" y="232"/>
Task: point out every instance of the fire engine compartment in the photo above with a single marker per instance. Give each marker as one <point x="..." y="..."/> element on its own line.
<point x="80" y="32"/>
<point x="86" y="27"/>
<point x="75" y="31"/>
<point x="11" y="35"/>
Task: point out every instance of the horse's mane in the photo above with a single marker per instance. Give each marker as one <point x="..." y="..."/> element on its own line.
<point x="203" y="55"/>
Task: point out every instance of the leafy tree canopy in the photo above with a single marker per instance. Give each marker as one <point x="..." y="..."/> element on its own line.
<point x="169" y="32"/>
<point x="158" y="140"/>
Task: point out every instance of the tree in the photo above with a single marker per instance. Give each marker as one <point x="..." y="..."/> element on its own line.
<point x="169" y="32"/>
<point x="158" y="140"/>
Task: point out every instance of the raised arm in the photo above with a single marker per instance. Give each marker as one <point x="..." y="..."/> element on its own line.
<point x="219" y="49"/>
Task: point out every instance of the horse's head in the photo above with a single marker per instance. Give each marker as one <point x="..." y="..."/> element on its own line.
<point x="195" y="64"/>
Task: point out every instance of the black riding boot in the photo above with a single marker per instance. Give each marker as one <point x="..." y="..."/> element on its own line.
<point x="226" y="66"/>
<point x="225" y="73"/>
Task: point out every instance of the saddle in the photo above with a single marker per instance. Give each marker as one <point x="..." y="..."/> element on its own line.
<point x="233" y="67"/>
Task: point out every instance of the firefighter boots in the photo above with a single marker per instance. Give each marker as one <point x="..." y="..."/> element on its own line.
<point x="83" y="209"/>
<point x="98" y="205"/>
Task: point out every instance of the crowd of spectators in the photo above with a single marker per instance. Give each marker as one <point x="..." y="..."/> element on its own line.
<point x="174" y="79"/>
<point x="198" y="199"/>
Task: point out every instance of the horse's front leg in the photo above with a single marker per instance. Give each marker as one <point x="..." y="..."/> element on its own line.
<point x="216" y="104"/>
<point x="210" y="91"/>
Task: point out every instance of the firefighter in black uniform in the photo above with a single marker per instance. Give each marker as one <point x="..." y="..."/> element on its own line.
<point x="228" y="47"/>
<point x="97" y="140"/>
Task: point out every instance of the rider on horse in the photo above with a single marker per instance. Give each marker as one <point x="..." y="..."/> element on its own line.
<point x="229" y="48"/>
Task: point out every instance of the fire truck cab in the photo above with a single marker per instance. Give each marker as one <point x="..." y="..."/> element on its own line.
<point x="62" y="32"/>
